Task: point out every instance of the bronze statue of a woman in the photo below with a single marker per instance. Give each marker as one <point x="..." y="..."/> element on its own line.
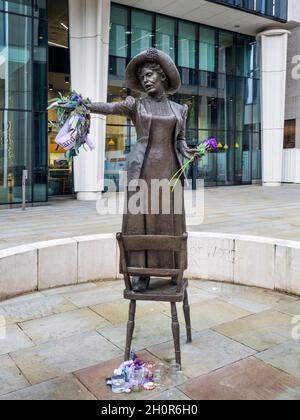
<point x="160" y="126"/>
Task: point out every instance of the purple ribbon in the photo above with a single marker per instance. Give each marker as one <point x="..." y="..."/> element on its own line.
<point x="66" y="138"/>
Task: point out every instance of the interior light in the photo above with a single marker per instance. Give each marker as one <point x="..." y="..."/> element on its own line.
<point x="64" y="26"/>
<point x="57" y="45"/>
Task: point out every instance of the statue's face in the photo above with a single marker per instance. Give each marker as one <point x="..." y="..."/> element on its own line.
<point x="152" y="81"/>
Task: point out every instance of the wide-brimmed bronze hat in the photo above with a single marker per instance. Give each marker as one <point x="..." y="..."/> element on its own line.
<point x="152" y="55"/>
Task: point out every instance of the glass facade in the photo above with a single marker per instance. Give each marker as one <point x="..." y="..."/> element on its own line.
<point x="23" y="99"/>
<point x="274" y="9"/>
<point x="220" y="85"/>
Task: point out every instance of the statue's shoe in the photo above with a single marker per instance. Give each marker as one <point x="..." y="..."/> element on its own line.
<point x="140" y="284"/>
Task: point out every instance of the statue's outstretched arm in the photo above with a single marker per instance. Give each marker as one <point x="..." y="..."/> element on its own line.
<point x="125" y="108"/>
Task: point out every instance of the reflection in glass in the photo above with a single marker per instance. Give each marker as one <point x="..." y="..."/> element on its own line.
<point x="207" y="49"/>
<point x="165" y="35"/>
<point x="15" y="62"/>
<point x="142" y="35"/>
<point x="15" y="155"/>
<point x="119" y="31"/>
<point x="22" y="7"/>
<point x="187" y="45"/>
<point x="40" y="64"/>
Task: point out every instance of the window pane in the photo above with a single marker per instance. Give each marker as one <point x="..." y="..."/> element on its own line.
<point x="40" y="9"/>
<point x="207" y="49"/>
<point x="290" y="134"/>
<point x="187" y="45"/>
<point x="40" y="91"/>
<point x="15" y="154"/>
<point x="226" y="53"/>
<point x="23" y="7"/>
<point x="119" y="32"/>
<point x="15" y="62"/>
<point x="165" y="35"/>
<point x="142" y="32"/>
<point x="40" y="166"/>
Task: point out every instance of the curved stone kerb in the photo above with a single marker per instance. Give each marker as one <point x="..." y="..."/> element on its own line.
<point x="248" y="260"/>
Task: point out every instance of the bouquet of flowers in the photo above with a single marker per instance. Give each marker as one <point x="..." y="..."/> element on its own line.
<point x="202" y="149"/>
<point x="73" y="123"/>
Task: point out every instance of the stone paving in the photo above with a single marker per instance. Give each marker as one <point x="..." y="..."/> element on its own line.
<point x="252" y="210"/>
<point x="63" y="343"/>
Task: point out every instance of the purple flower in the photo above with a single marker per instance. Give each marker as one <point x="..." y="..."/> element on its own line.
<point x="76" y="97"/>
<point x="211" y="143"/>
<point x="138" y="363"/>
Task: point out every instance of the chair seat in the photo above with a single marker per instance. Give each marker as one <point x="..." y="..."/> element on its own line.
<point x="160" y="290"/>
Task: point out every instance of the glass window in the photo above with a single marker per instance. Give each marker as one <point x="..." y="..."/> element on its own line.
<point x="15" y="62"/>
<point x="165" y="35"/>
<point x="15" y="155"/>
<point x="40" y="9"/>
<point x="119" y="31"/>
<point x="40" y="167"/>
<point x="22" y="7"/>
<point x="208" y="113"/>
<point x="226" y="53"/>
<point x="207" y="49"/>
<point x="142" y="32"/>
<point x="40" y="69"/>
<point x="245" y="57"/>
<point x="187" y="45"/>
<point x="290" y="134"/>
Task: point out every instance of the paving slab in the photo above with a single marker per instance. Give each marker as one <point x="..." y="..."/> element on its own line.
<point x="12" y="339"/>
<point x="285" y="356"/>
<point x="94" y="379"/>
<point x="56" y="358"/>
<point x="69" y="289"/>
<point x="259" y="331"/>
<point x="212" y="312"/>
<point x="149" y="331"/>
<point x="117" y="312"/>
<point x="226" y="291"/>
<point x="64" y="388"/>
<point x="11" y="378"/>
<point x="292" y="308"/>
<point x="248" y="379"/>
<point x="21" y="299"/>
<point x="63" y="325"/>
<point x="209" y="351"/>
<point x="172" y="394"/>
<point x="94" y="296"/>
<point x="36" y="308"/>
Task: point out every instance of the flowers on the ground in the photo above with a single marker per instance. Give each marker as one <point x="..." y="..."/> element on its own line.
<point x="73" y="123"/>
<point x="202" y="149"/>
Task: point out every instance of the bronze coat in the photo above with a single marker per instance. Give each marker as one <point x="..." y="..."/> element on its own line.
<point x="135" y="110"/>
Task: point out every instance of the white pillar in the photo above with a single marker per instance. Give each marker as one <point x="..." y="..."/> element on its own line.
<point x="273" y="89"/>
<point x="89" y="49"/>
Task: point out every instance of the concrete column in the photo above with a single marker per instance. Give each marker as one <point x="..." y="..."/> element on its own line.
<point x="89" y="49"/>
<point x="273" y="88"/>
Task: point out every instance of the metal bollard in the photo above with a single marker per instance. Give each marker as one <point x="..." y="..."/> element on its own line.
<point x="24" y="179"/>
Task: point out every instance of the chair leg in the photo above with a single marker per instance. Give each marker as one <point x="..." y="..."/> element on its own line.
<point x="130" y="328"/>
<point x="176" y="333"/>
<point x="186" y="311"/>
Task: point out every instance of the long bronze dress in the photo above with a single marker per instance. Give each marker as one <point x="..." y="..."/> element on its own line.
<point x="160" y="150"/>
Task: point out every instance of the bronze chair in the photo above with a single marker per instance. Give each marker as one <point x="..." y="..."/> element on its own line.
<point x="160" y="289"/>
